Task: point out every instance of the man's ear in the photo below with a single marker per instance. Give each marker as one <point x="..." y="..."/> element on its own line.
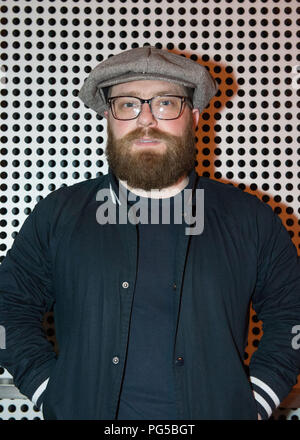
<point x="105" y="114"/>
<point x="195" y="115"/>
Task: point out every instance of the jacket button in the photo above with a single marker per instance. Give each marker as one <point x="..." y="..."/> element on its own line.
<point x="115" y="360"/>
<point x="125" y="285"/>
<point x="179" y="361"/>
<point x="174" y="286"/>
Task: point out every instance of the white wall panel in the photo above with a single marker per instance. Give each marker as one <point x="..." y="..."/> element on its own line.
<point x="248" y="136"/>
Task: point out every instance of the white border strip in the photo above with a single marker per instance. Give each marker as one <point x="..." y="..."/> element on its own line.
<point x="263" y="403"/>
<point x="113" y="196"/>
<point x="39" y="391"/>
<point x="266" y="388"/>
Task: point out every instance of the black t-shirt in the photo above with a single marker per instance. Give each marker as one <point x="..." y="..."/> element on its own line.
<point x="148" y="387"/>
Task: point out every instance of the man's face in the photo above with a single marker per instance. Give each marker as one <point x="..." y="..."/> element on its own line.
<point x="146" y="152"/>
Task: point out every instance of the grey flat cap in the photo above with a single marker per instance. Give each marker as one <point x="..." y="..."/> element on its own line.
<point x="147" y="63"/>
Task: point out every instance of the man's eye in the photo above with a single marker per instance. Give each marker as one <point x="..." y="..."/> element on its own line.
<point x="166" y="102"/>
<point x="128" y="104"/>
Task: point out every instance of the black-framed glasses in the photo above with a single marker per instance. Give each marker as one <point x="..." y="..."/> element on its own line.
<point x="165" y="107"/>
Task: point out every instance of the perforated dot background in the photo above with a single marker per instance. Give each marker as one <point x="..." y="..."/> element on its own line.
<point x="247" y="137"/>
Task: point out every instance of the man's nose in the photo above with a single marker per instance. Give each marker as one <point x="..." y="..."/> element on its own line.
<point x="146" y="118"/>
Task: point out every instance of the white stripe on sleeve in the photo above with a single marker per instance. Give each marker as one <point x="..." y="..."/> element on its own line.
<point x="266" y="389"/>
<point x="39" y="391"/>
<point x="263" y="403"/>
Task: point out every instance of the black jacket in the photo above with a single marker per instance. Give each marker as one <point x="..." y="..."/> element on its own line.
<point x="62" y="256"/>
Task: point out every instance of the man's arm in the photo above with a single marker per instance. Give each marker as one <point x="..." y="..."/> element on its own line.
<point x="25" y="296"/>
<point x="275" y="365"/>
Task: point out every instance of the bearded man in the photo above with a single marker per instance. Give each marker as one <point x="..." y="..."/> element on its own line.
<point x="151" y="321"/>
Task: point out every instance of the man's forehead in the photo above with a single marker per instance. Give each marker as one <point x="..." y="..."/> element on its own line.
<point x="142" y="87"/>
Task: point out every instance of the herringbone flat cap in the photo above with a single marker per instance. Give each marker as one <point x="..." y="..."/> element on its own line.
<point x="147" y="63"/>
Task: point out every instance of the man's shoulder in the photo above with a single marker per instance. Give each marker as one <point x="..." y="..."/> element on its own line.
<point x="68" y="201"/>
<point x="228" y="198"/>
<point x="78" y="190"/>
<point x="219" y="189"/>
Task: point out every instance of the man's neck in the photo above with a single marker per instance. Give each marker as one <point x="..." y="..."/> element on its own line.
<point x="163" y="193"/>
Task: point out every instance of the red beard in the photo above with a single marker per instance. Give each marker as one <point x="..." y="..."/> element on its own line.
<point x="151" y="169"/>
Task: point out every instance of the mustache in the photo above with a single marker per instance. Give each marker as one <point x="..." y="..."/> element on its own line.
<point x="152" y="133"/>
